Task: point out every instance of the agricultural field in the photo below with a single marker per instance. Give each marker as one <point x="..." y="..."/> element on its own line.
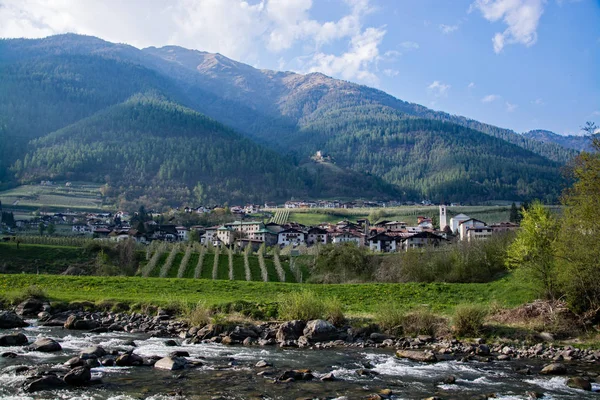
<point x="409" y="214"/>
<point x="58" y="197"/>
<point x="358" y="299"/>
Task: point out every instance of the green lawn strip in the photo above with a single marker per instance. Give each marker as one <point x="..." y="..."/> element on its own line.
<point x="207" y="265"/>
<point x="254" y="268"/>
<point x="161" y="261"/>
<point x="271" y="271"/>
<point x="191" y="266"/>
<point x="172" y="273"/>
<point x="238" y="267"/>
<point x="357" y="298"/>
<point x="40" y="258"/>
<point x="223" y="268"/>
<point x="289" y="275"/>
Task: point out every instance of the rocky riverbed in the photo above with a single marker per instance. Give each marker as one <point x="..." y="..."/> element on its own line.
<point x="104" y="355"/>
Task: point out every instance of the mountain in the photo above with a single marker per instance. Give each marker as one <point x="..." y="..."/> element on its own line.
<point x="579" y="143"/>
<point x="71" y="85"/>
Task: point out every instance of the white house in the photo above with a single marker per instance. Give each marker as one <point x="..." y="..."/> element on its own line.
<point x="456" y="220"/>
<point x="291" y="236"/>
<point x="396" y="226"/>
<point x="182" y="233"/>
<point x="347" y="237"/>
<point x="470" y="223"/>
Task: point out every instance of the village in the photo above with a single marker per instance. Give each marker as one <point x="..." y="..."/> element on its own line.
<point x="255" y="225"/>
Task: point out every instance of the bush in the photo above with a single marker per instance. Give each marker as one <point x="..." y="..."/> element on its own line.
<point x="419" y="321"/>
<point x="200" y="315"/>
<point x="303" y="305"/>
<point x="422" y="321"/>
<point x="334" y="311"/>
<point x="390" y="317"/>
<point x="468" y="319"/>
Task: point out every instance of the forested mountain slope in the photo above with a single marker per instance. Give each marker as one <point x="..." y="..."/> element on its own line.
<point x="381" y="146"/>
<point x="578" y="143"/>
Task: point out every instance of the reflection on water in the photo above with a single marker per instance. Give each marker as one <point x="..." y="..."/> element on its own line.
<point x="230" y="373"/>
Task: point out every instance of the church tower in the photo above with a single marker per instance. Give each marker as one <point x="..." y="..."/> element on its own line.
<point x="443" y="220"/>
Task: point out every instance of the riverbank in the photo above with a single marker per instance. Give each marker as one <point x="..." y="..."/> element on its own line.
<point x="73" y="350"/>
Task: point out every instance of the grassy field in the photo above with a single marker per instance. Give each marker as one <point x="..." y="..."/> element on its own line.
<point x="79" y="196"/>
<point x="409" y="214"/>
<point x="358" y="299"/>
<point x="40" y="258"/>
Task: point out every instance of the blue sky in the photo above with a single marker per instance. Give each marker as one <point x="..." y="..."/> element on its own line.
<point x="519" y="64"/>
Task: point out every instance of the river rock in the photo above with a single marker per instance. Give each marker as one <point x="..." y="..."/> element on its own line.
<point x="379" y="337"/>
<point x="171" y="363"/>
<point x="30" y="307"/>
<point x="241" y="333"/>
<point x="128" y="360"/>
<point x="579" y="383"/>
<point x="328" y="377"/>
<point x="296" y="375"/>
<point x="57" y="319"/>
<point x="179" y="353"/>
<point x="92" y="352"/>
<point x="8" y="354"/>
<point x="45" y="345"/>
<point x="482" y="350"/>
<point x="13" y="339"/>
<point x="10" y="320"/>
<point x="415" y="355"/>
<point x="319" y="330"/>
<point x="47" y="382"/>
<point x="170" y="343"/>
<point x="263" y="364"/>
<point x="290" y="330"/>
<point x="554" y="369"/>
<point x="74" y="362"/>
<point x="78" y="376"/>
<point x="76" y="323"/>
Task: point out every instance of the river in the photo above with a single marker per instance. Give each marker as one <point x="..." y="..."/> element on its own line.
<point x="229" y="372"/>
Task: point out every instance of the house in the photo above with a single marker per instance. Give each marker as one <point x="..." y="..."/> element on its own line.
<point x="468" y="224"/>
<point x="317" y="235"/>
<point x="273" y="227"/>
<point x="182" y="233"/>
<point x="383" y="242"/>
<point x="456" y="220"/>
<point x="210" y="234"/>
<point x="504" y="227"/>
<point x="81" y="228"/>
<point x="291" y="237"/>
<point x="166" y="233"/>
<point x="395" y="225"/>
<point x="225" y="235"/>
<point x="245" y="227"/>
<point x="422" y="239"/>
<point x="347" y="237"/>
<point x="243" y="243"/>
<point x="265" y="236"/>
<point x="477" y="233"/>
<point x="425" y="222"/>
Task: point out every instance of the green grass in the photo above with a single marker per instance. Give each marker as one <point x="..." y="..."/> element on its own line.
<point x="359" y="299"/>
<point x="40" y="258"/>
<point x="80" y="196"/>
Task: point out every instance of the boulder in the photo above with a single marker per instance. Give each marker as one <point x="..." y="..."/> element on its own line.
<point x="78" y="376"/>
<point x="263" y="364"/>
<point x="92" y="352"/>
<point x="128" y="360"/>
<point x="554" y="369"/>
<point x="45" y="345"/>
<point x="171" y="363"/>
<point x="10" y="320"/>
<point x="30" y="307"/>
<point x="296" y="375"/>
<point x="48" y="382"/>
<point x="8" y="354"/>
<point x="379" y="337"/>
<point x="76" y="323"/>
<point x="415" y="355"/>
<point x="290" y="330"/>
<point x="57" y="319"/>
<point x="579" y="383"/>
<point x="319" y="330"/>
<point x="13" y="339"/>
<point x="241" y="333"/>
<point x="328" y="377"/>
<point x="482" y="350"/>
<point x="170" y="343"/>
<point x="179" y="353"/>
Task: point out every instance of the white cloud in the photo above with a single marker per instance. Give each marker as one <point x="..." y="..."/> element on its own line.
<point x="521" y="17"/>
<point x="471" y="85"/>
<point x="490" y="98"/>
<point x="356" y="63"/>
<point x="596" y="114"/>
<point x="447" y="29"/>
<point x="511" y="107"/>
<point x="538" y="102"/>
<point x="409" y="45"/>
<point x="391" y="72"/>
<point x="439" y="89"/>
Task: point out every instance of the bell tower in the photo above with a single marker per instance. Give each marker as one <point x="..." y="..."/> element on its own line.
<point x="443" y="220"/>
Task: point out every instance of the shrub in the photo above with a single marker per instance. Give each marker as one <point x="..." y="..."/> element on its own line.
<point x="390" y="317"/>
<point x="334" y="311"/>
<point x="303" y="305"/>
<point x="199" y="315"/>
<point x="421" y="321"/>
<point x="469" y="318"/>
